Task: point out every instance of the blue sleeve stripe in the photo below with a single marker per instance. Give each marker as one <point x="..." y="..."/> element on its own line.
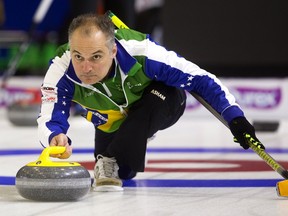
<point x="166" y="66"/>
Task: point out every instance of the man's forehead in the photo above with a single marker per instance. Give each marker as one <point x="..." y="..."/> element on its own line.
<point x="97" y="37"/>
<point x="88" y="31"/>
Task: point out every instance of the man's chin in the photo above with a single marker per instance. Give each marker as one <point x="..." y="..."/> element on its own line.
<point x="88" y="81"/>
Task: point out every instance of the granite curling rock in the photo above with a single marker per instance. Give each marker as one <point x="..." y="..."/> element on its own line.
<point x="45" y="180"/>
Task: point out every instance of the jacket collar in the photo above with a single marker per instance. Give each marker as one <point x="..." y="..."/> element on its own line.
<point x="71" y="73"/>
<point x="124" y="59"/>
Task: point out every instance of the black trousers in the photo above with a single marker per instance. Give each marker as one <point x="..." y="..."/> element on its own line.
<point x="160" y="107"/>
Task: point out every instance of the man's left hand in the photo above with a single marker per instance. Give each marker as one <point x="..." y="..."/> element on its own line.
<point x="239" y="128"/>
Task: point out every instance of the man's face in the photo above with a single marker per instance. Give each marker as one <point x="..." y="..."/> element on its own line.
<point x="91" y="57"/>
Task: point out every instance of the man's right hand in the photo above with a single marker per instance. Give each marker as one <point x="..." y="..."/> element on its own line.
<point x="61" y="140"/>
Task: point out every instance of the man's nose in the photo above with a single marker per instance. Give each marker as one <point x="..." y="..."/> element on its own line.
<point x="87" y="66"/>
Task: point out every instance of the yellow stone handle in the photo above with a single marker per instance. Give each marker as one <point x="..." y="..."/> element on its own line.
<point x="44" y="158"/>
<point x="50" y="151"/>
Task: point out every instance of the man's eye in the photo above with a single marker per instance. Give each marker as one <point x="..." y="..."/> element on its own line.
<point x="78" y="57"/>
<point x="95" y="57"/>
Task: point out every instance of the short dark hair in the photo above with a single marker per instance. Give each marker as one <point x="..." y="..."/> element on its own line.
<point x="103" y="22"/>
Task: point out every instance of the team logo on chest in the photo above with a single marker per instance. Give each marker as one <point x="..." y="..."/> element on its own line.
<point x="130" y="85"/>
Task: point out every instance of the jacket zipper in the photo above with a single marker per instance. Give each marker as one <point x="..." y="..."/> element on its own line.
<point x="121" y="107"/>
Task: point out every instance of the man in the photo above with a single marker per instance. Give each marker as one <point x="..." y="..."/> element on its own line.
<point x="131" y="88"/>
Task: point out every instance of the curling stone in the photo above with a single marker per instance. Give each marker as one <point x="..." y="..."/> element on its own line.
<point x="23" y="114"/>
<point x="266" y="126"/>
<point x="46" y="180"/>
<point x="23" y="103"/>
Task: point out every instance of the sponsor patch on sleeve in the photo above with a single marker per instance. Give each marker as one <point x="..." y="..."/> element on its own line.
<point x="49" y="94"/>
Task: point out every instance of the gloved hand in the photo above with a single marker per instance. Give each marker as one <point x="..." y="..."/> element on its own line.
<point x="244" y="132"/>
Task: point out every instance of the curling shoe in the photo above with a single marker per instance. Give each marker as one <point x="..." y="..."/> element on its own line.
<point x="106" y="177"/>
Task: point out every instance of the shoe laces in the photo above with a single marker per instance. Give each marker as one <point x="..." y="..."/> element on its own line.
<point x="109" y="166"/>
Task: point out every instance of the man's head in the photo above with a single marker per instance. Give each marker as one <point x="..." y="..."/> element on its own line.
<point x="92" y="46"/>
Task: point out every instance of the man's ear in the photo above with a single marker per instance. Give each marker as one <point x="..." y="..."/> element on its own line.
<point x="114" y="50"/>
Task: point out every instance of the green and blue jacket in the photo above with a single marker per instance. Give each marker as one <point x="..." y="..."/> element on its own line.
<point x="138" y="62"/>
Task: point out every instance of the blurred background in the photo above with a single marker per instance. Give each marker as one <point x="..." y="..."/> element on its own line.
<point x="228" y="38"/>
<point x="231" y="39"/>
